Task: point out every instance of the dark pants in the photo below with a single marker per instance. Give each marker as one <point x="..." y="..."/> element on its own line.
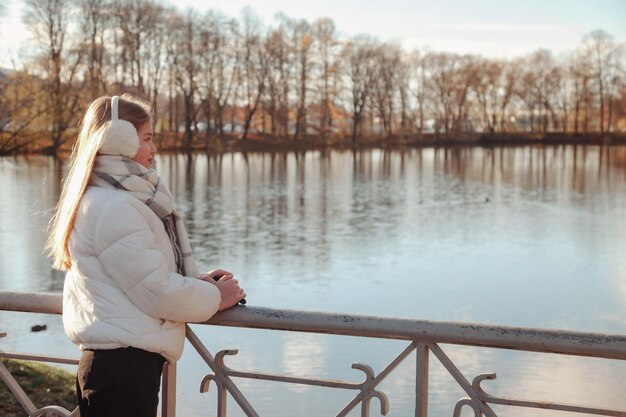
<point x="119" y="383"/>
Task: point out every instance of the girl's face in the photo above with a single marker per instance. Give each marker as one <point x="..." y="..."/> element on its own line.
<point x="146" y="151"/>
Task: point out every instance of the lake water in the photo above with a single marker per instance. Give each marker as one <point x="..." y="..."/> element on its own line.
<point x="522" y="236"/>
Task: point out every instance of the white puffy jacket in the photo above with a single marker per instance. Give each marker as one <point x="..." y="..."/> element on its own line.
<point x="120" y="290"/>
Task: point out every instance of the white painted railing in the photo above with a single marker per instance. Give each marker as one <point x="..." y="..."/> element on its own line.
<point x="424" y="338"/>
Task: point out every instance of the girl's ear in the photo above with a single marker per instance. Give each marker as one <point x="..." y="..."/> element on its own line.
<point x="119" y="137"/>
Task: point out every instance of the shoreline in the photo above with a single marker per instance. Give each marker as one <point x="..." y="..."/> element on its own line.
<point x="260" y="144"/>
<point x="257" y="143"/>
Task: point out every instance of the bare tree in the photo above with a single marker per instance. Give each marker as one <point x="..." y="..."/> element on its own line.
<point x="621" y="106"/>
<point x="276" y="107"/>
<point x="327" y="42"/>
<point x="418" y="83"/>
<point x="604" y="58"/>
<point x="359" y="54"/>
<point x="466" y="79"/>
<point x="556" y="100"/>
<point x="137" y="21"/>
<point x="451" y="78"/>
<point x="21" y="106"/>
<point x="526" y="92"/>
<point x="302" y="40"/>
<point x="536" y="87"/>
<point x="282" y="70"/>
<point x="48" y="20"/>
<point x="616" y="79"/>
<point x="540" y="81"/>
<point x="94" y="17"/>
<point x="183" y="65"/>
<point x="494" y="89"/>
<point x="254" y="67"/>
<point x="385" y="84"/>
<point x="508" y="83"/>
<point x="403" y="80"/>
<point x="579" y="74"/>
<point x="487" y="92"/>
<point x="226" y="69"/>
<point x="155" y="56"/>
<point x="209" y="44"/>
<point x="221" y="54"/>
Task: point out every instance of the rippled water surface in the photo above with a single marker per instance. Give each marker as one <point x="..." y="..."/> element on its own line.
<point x="526" y="236"/>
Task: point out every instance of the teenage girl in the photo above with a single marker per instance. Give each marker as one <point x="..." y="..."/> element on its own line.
<point x="132" y="281"/>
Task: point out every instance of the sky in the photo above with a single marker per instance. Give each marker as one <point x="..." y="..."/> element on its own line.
<point x="492" y="28"/>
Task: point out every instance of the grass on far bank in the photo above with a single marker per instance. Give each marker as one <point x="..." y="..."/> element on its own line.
<point x="45" y="385"/>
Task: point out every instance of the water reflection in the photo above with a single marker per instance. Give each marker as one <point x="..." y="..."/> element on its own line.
<point x="302" y="212"/>
<point x="297" y="355"/>
<point x="517" y="236"/>
<point x="29" y="190"/>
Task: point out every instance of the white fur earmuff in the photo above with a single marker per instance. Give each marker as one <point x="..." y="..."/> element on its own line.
<point x="119" y="136"/>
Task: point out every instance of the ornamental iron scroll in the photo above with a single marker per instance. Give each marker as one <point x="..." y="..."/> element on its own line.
<point x="487" y="398"/>
<point x="222" y="375"/>
<point x="478" y="399"/>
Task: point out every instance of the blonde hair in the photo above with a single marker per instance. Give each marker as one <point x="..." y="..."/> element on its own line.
<point x="81" y="162"/>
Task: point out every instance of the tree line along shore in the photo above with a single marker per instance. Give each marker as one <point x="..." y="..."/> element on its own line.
<point x="169" y="143"/>
<point x="219" y="82"/>
<point x="258" y="143"/>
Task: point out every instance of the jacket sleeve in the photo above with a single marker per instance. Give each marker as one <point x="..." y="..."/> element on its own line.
<point x="128" y="250"/>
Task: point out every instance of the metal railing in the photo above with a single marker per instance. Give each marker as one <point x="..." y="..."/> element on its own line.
<point x="423" y="336"/>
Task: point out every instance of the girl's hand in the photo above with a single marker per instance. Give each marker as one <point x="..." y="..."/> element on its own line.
<point x="211" y="275"/>
<point x="230" y="291"/>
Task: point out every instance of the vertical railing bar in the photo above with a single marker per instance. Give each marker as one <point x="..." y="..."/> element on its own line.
<point x="228" y="383"/>
<point x="168" y="398"/>
<point x="421" y="380"/>
<point x="365" y="408"/>
<point x="16" y="390"/>
<point x="377" y="380"/>
<point x="460" y="379"/>
<point x="221" y="399"/>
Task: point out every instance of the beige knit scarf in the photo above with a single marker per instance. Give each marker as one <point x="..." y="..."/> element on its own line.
<point x="123" y="173"/>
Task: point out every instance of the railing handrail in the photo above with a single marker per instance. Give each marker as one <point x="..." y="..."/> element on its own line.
<point x="612" y="346"/>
